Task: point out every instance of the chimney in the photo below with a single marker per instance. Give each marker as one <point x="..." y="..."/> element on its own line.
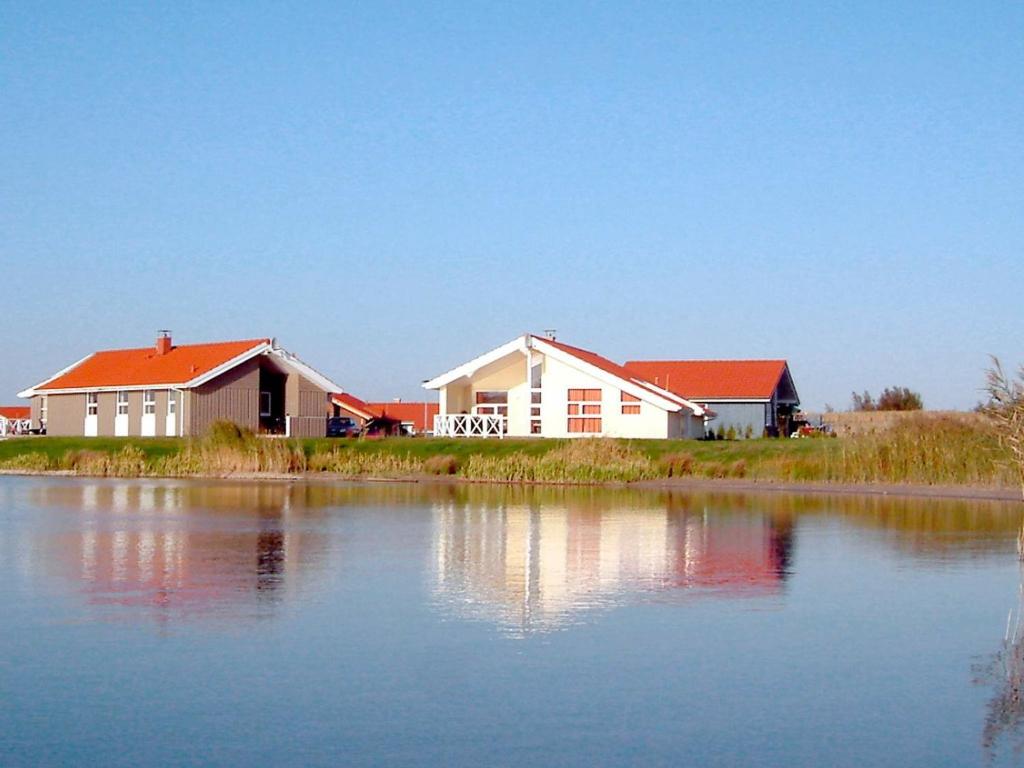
<point x="163" y="342"/>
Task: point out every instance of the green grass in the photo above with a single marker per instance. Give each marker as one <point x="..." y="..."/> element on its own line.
<point x="55" y="448"/>
<point x="930" y="450"/>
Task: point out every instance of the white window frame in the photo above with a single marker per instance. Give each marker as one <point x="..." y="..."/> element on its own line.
<point x="92" y="404"/>
<point x="172" y="402"/>
<point x="149" y="402"/>
<point x="491" y="409"/>
<point x="264" y="412"/>
<point x="581" y="406"/>
<point x="122" y="402"/>
<point x="42" y="410"/>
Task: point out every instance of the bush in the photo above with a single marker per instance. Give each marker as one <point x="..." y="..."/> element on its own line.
<point x="227" y="433"/>
<point x="445" y="464"/>
<point x="676" y="464"/>
<point x="730" y="433"/>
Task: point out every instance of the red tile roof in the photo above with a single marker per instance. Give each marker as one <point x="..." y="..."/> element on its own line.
<point x="712" y="379"/>
<point x="606" y="365"/>
<point x="13" y="412"/>
<point x="139" y="367"/>
<point x="354" y="404"/>
<point x="420" y="414"/>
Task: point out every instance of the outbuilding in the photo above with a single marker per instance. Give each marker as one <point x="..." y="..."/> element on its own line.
<point x="750" y="397"/>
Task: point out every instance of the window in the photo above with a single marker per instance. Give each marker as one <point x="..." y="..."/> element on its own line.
<point x="172" y="402"/>
<point x="584" y="409"/>
<point x="122" y="403"/>
<point x="149" y="402"/>
<point x="265" y="403"/>
<point x="42" y="410"/>
<point x="535" y="376"/>
<point x="630" y="405"/>
<point x="91" y="404"/>
<point x="491" y="403"/>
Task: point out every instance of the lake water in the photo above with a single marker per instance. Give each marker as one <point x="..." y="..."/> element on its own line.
<point x="164" y="623"/>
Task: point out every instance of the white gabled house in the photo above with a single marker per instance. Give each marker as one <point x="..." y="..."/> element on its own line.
<point x="538" y="386"/>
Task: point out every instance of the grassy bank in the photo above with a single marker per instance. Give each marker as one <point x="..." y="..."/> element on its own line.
<point x="927" y="450"/>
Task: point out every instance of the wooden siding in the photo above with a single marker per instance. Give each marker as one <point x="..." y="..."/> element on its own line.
<point x="308" y="426"/>
<point x="234" y="396"/>
<point x="65" y="415"/>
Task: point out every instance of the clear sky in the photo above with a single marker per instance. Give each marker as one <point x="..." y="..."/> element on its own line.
<point x="391" y="189"/>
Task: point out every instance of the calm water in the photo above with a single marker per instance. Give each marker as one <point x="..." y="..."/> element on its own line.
<point x="178" y="623"/>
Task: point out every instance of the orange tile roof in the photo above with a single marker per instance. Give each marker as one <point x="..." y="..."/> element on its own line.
<point x="353" y="403"/>
<point x="420" y="414"/>
<point x="606" y="365"/>
<point x="712" y="379"/>
<point x="139" y="367"/>
<point x="13" y="412"/>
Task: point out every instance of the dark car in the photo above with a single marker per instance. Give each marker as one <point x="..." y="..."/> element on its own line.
<point x="342" y="426"/>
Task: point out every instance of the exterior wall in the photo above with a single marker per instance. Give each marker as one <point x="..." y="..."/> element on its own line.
<point x="34" y="406"/>
<point x="306" y="406"/>
<point x="107" y="402"/>
<point x="739" y="416"/>
<point x="559" y="378"/>
<point x="65" y="414"/>
<point x="161" y="413"/>
<point x="234" y="396"/>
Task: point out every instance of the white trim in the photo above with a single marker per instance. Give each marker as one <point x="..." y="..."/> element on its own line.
<point x="664" y="402"/>
<point x="234" y="362"/>
<point x="351" y="408"/>
<point x="306" y="370"/>
<point x="263" y="347"/>
<point x="31" y="391"/>
<point x="467" y="370"/>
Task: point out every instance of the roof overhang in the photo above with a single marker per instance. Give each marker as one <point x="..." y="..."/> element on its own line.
<point x="466" y="370"/>
<point x="281" y="356"/>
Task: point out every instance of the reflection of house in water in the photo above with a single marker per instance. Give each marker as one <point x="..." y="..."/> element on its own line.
<point x="536" y="567"/>
<point x="184" y="549"/>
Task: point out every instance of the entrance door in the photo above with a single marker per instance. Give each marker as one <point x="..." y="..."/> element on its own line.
<point x="92" y="419"/>
<point x="121" y="416"/>
<point x="148" y="413"/>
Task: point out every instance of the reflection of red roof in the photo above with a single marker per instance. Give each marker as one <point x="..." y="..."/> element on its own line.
<point x="420" y="414"/>
<point x="139" y="367"/>
<point x="712" y="379"/>
<point x="606" y="365"/>
<point x="13" y="412"/>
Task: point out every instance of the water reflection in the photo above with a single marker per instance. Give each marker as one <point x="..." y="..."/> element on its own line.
<point x="178" y="550"/>
<point x="536" y="567"/>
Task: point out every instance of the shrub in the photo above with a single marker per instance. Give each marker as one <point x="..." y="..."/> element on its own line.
<point x="445" y="464"/>
<point x="676" y="464"/>
<point x="730" y="433"/>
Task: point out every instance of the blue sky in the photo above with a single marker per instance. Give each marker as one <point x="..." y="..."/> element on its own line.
<point x="391" y="189"/>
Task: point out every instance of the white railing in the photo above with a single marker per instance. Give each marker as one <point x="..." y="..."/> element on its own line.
<point x="10" y="427"/>
<point x="469" y="425"/>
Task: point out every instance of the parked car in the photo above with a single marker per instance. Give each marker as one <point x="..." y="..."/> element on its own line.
<point x="342" y="426"/>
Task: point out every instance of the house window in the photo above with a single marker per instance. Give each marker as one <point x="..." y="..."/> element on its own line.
<point x="535" y="376"/>
<point x="149" y="402"/>
<point x="122" y="403"/>
<point x="42" y="411"/>
<point x="172" y="402"/>
<point x="630" y="405"/>
<point x="584" y="410"/>
<point x="91" y="404"/>
<point x="265" y="403"/>
<point x="491" y="403"/>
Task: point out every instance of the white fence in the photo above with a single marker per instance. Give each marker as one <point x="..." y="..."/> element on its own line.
<point x="10" y="427"/>
<point x="469" y="425"/>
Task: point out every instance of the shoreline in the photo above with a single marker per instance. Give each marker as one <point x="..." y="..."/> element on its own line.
<point x="683" y="484"/>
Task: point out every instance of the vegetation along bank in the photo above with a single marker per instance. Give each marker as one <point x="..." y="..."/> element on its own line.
<point x="924" y="449"/>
